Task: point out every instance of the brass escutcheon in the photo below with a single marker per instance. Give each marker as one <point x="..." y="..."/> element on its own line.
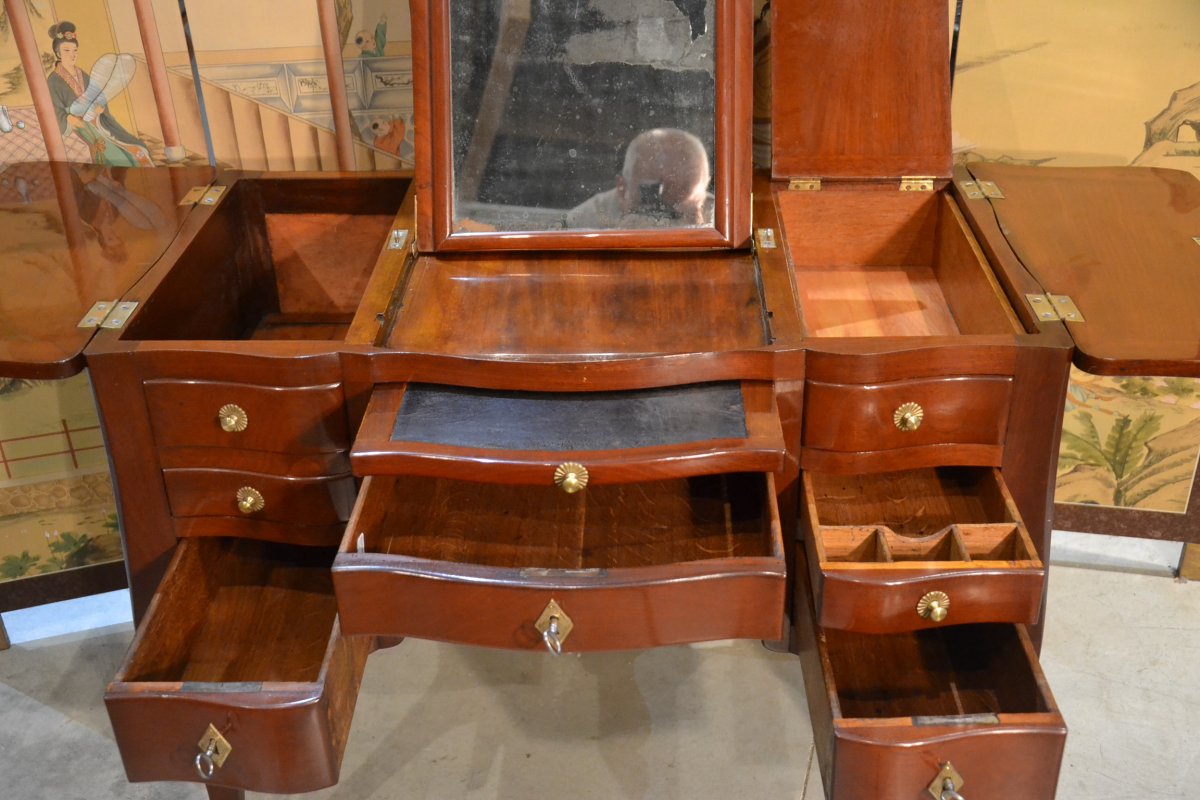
<point x="555" y="626"/>
<point x="934" y="606"/>
<point x="908" y="417"/>
<point x="233" y="418"/>
<point x="250" y="500"/>
<point x="214" y="749"/>
<point x="571" y="477"/>
<point x="947" y="783"/>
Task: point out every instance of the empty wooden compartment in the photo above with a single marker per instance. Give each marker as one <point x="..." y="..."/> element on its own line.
<point x="629" y="565"/>
<point x="242" y="636"/>
<point x="278" y="258"/>
<point x="900" y="551"/>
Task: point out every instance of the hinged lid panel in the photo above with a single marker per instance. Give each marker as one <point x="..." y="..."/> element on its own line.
<point x="860" y="89"/>
<point x="1119" y="241"/>
<point x="75" y="235"/>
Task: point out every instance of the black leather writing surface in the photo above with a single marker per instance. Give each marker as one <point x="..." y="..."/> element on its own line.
<point x="552" y="421"/>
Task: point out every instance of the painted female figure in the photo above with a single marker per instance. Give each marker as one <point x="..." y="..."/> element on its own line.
<point x="85" y="112"/>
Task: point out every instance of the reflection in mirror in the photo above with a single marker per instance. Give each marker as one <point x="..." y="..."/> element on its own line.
<point x="587" y="114"/>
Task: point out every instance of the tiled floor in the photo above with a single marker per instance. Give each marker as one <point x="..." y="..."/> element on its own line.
<point x="715" y="721"/>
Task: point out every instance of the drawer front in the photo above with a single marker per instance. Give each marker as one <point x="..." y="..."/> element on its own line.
<point x="241" y="637"/>
<point x="917" y="549"/>
<point x="260" y="498"/>
<point x="953" y="420"/>
<point x="310" y="419"/>
<point x="487" y="575"/>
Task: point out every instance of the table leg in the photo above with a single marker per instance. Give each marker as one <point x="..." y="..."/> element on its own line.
<point x="1189" y="562"/>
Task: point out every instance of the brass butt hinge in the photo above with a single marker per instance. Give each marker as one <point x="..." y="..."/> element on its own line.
<point x="1051" y="307"/>
<point x="397" y="239"/>
<point x="804" y="184"/>
<point x="765" y="238"/>
<point x="108" y="314"/>
<point x="978" y="190"/>
<point x="203" y="195"/>
<point x="916" y="183"/>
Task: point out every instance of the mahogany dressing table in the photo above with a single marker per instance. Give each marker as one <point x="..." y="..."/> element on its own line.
<point x="351" y="409"/>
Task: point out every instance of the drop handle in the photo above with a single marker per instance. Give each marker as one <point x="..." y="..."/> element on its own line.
<point x="948" y="792"/>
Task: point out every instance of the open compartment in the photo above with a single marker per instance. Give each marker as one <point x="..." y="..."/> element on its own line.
<point x="280" y="258"/>
<point x="901" y="706"/>
<point x="242" y="637"/>
<point x="899" y="551"/>
<point x="873" y="261"/>
<point x="632" y="565"/>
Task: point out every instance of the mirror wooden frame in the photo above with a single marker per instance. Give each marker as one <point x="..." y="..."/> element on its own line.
<point x="734" y="30"/>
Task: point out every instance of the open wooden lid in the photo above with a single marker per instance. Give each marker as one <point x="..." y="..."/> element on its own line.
<point x="1124" y="244"/>
<point x="72" y="235"/>
<point x="860" y="89"/>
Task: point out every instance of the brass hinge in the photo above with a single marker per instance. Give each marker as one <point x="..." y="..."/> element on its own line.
<point x="107" y="314"/>
<point x="805" y="184"/>
<point x="1051" y="307"/>
<point x="765" y="237"/>
<point x="916" y="183"/>
<point x="397" y="239"/>
<point x="203" y="195"/>
<point x="978" y="190"/>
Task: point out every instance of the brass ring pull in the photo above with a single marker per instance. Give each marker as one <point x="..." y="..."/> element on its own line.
<point x="205" y="765"/>
<point x="551" y="638"/>
<point x="948" y="792"/>
<point x="250" y="500"/>
<point x="908" y="417"/>
<point x="233" y="418"/>
<point x="571" y="477"/>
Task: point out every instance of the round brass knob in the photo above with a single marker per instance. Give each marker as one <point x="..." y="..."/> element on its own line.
<point x="250" y="500"/>
<point x="233" y="418"/>
<point x="934" y="606"/>
<point x="571" y="477"/>
<point x="908" y="417"/>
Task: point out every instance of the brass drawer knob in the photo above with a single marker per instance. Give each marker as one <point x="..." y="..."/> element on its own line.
<point x="555" y="626"/>
<point x="571" y="477"/>
<point x="233" y="418"/>
<point x="934" y="606"/>
<point x="250" y="500"/>
<point x="908" y="417"/>
<point x="947" y="783"/>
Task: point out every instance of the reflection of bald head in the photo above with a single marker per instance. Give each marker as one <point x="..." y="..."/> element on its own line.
<point x="674" y="159"/>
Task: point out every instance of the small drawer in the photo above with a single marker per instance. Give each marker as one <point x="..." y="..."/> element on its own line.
<point x="523" y="437"/>
<point x="900" y="551"/>
<point x="263" y="498"/>
<point x="926" y="422"/>
<point x="242" y="636"/>
<point x="626" y="566"/>
<point x="309" y="419"/>
<point x="892" y="711"/>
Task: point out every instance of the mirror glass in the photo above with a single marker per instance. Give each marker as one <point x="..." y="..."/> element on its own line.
<point x="582" y="114"/>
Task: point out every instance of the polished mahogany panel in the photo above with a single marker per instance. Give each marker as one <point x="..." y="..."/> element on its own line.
<point x="75" y="234"/>
<point x="1137" y="284"/>
<point x="599" y="305"/>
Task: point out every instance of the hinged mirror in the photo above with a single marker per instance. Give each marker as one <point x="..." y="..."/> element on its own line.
<point x="582" y="123"/>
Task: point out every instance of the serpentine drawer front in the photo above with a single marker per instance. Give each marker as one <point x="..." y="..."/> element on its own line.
<point x="901" y="714"/>
<point x="525" y="567"/>
<point x="239" y="674"/>
<point x="899" y="551"/>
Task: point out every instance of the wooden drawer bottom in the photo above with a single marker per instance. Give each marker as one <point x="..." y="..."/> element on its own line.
<point x="242" y="636"/>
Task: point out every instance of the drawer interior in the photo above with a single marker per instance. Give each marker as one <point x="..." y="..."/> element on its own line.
<point x="234" y="610"/>
<point x="540" y="527"/>
<point x="278" y="259"/>
<point x="874" y="261"/>
<point x="931" y="514"/>
<point x="960" y="670"/>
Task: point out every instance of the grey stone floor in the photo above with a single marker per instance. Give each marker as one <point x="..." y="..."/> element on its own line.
<point x="716" y="721"/>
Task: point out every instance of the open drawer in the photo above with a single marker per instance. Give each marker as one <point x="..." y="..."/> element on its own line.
<point x="522" y="437"/>
<point x="901" y="713"/>
<point x="613" y="567"/>
<point x="900" y="551"/>
<point x="241" y="641"/>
